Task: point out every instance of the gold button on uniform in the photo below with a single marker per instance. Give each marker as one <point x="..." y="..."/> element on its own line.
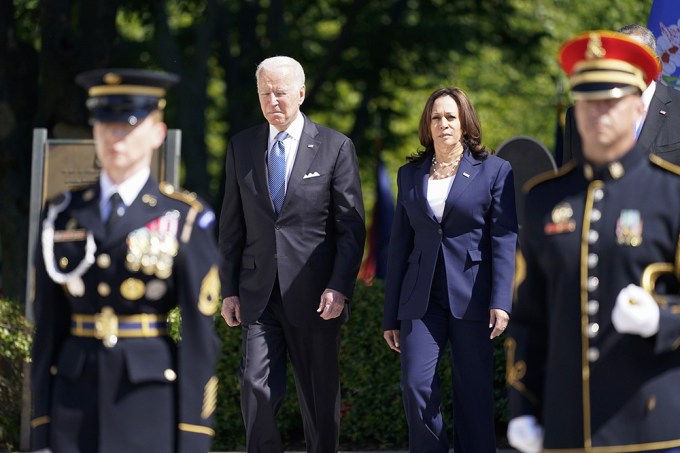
<point x="616" y="170"/>
<point x="132" y="289"/>
<point x="63" y="262"/>
<point x="104" y="260"/>
<point x="53" y="370"/>
<point x="103" y="289"/>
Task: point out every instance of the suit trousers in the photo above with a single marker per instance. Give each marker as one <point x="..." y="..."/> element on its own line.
<point x="422" y="344"/>
<point x="314" y="355"/>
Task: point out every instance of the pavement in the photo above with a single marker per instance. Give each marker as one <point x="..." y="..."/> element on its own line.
<point x="510" y="450"/>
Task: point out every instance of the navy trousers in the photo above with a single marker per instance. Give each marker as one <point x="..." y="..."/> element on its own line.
<point x="422" y="344"/>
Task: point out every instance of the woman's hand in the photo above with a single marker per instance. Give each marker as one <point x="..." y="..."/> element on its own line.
<point x="498" y="319"/>
<point x="392" y="339"/>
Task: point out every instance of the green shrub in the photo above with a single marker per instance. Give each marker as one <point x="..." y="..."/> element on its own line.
<point x="372" y="414"/>
<point x="15" y="347"/>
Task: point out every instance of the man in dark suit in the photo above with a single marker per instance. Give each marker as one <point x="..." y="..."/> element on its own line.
<point x="114" y="258"/>
<point x="291" y="237"/>
<point x="657" y="132"/>
<point x="593" y="358"/>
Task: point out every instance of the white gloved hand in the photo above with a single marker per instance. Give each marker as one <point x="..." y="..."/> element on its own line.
<point x="636" y="312"/>
<point x="525" y="434"/>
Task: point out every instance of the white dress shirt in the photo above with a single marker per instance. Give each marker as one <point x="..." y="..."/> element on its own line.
<point x="646" y="99"/>
<point x="437" y="193"/>
<point x="128" y="190"/>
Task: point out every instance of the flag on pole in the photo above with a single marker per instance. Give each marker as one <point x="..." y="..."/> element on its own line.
<point x="664" y="22"/>
<point x="375" y="263"/>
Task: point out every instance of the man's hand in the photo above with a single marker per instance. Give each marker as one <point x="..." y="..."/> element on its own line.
<point x="332" y="304"/>
<point x="636" y="312"/>
<point x="525" y="434"/>
<point x="498" y="319"/>
<point x="392" y="339"/>
<point x="231" y="310"/>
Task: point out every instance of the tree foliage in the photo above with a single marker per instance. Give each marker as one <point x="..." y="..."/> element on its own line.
<point x="370" y="65"/>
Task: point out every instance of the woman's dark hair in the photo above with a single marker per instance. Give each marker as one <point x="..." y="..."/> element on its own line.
<point x="469" y="121"/>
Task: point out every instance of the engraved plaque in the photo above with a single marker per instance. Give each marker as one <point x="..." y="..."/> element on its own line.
<point x="72" y="164"/>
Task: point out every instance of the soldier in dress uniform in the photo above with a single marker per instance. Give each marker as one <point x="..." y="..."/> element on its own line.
<point x="593" y="357"/>
<point x="109" y="268"/>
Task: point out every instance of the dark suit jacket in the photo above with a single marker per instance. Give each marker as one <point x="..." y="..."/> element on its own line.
<point x="477" y="235"/>
<point x="317" y="240"/>
<point x="660" y="132"/>
<point x="153" y="396"/>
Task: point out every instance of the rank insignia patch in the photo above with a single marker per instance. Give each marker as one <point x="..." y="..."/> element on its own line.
<point x="209" y="398"/>
<point x="210" y="292"/>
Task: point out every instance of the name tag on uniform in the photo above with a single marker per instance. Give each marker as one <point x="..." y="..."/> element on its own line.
<point x="70" y="235"/>
<point x="562" y="221"/>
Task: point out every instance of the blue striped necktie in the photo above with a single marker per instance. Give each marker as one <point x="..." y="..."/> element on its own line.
<point x="277" y="171"/>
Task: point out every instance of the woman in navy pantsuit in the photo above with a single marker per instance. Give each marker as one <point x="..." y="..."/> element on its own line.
<point x="450" y="273"/>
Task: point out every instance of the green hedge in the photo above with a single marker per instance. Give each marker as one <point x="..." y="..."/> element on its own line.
<point x="371" y="408"/>
<point x="15" y="346"/>
<point x="372" y="411"/>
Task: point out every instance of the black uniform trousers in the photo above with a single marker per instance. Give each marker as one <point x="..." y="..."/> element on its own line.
<point x="314" y="354"/>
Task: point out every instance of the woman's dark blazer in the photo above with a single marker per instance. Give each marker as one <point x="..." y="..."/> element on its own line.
<point x="477" y="236"/>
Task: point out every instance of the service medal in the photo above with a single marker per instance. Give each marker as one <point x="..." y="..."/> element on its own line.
<point x="629" y="228"/>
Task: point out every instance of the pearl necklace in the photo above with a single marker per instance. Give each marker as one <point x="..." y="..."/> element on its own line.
<point x="437" y="167"/>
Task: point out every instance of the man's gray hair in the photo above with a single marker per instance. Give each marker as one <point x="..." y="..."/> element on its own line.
<point x="645" y="34"/>
<point x="279" y="62"/>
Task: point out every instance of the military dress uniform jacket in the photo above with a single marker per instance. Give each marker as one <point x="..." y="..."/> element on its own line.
<point x="588" y="233"/>
<point x="105" y="376"/>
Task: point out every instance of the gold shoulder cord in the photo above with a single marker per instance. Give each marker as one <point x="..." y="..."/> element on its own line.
<point x="664" y="164"/>
<point x="547" y="176"/>
<point x="188" y="198"/>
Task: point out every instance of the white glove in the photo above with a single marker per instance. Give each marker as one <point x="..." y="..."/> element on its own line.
<point x="525" y="434"/>
<point x="636" y="312"/>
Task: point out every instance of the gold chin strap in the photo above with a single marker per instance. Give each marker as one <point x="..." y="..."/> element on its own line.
<point x="613" y="93"/>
